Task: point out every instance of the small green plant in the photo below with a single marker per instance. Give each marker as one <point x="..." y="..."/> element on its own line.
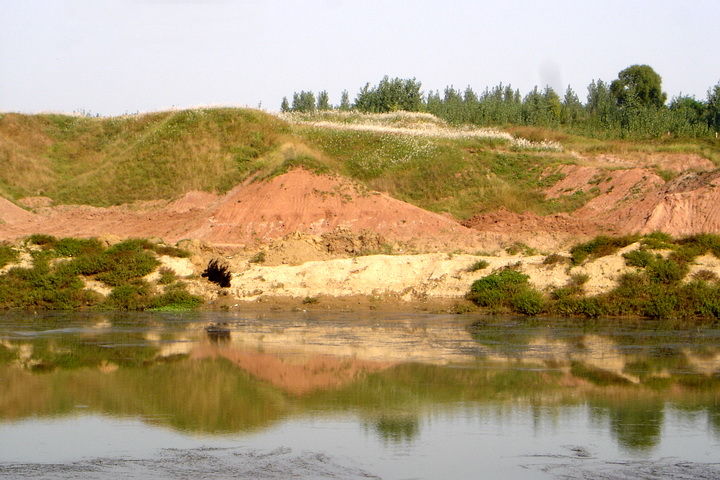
<point x="521" y="248"/>
<point x="599" y="247"/>
<point x="167" y="276"/>
<point x="130" y="296"/>
<point x="658" y="241"/>
<point x="171" y="251"/>
<point x="460" y="308"/>
<point x="479" y="265"/>
<point x="41" y="239"/>
<point x="176" y="297"/>
<point x="125" y="264"/>
<point x="75" y="247"/>
<point x="554" y="259"/>
<point x="706" y="276"/>
<point x="310" y="300"/>
<point x="638" y="258"/>
<point x="259" y="257"/>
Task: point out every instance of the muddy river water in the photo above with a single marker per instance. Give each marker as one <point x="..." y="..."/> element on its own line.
<point x="353" y="396"/>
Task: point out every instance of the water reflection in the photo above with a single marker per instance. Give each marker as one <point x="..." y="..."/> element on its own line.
<point x="242" y="374"/>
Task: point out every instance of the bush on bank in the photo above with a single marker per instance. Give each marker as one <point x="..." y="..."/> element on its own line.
<point x="657" y="289"/>
<point x="55" y="279"/>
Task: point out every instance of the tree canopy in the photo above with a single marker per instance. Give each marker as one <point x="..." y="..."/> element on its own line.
<point x="638" y="85"/>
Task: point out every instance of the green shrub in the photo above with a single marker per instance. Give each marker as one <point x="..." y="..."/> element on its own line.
<point x="42" y="287"/>
<point x="167" y="276"/>
<point x="7" y="254"/>
<point x="685" y="254"/>
<point x="257" y="258"/>
<point x="599" y="247"/>
<point x="706" y="275"/>
<point x="700" y="298"/>
<point x="479" y="265"/>
<point x="91" y="264"/>
<point x="176" y="297"/>
<point x="638" y="258"/>
<point x="704" y="242"/>
<point x="509" y="289"/>
<point x="41" y="239"/>
<point x="130" y="296"/>
<point x="171" y="251"/>
<point x="497" y="288"/>
<point x="665" y="271"/>
<point x="528" y="301"/>
<point x="663" y="304"/>
<point x="554" y="259"/>
<point x="520" y="248"/>
<point x="126" y="264"/>
<point x="131" y="245"/>
<point x="75" y="247"/>
<point x="658" y="241"/>
<point x="578" y="280"/>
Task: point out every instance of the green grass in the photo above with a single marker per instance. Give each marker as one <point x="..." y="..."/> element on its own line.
<point x="479" y="265"/>
<point x="107" y="161"/>
<point x="460" y="176"/>
<point x="599" y="247"/>
<point x="7" y="254"/>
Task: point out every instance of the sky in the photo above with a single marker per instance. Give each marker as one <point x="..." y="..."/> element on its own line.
<point x="113" y="57"/>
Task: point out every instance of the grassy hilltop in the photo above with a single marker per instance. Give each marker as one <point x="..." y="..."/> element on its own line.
<point x="413" y="156"/>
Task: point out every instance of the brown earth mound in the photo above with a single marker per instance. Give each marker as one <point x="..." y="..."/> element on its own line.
<point x="686" y="205"/>
<point x="297" y="201"/>
<point x="11" y="213"/>
<point x="672" y="162"/>
<point x="504" y="220"/>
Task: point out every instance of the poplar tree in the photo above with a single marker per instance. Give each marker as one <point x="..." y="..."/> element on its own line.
<point x="323" y="101"/>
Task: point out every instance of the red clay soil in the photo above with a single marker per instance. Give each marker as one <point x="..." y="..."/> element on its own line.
<point x="261" y="211"/>
<point x="686" y="205"/>
<point x="672" y="162"/>
<point x="503" y="221"/>
<point x="626" y="201"/>
<point x="12" y="214"/>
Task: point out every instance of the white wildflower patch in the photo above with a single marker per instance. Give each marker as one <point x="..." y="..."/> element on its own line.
<point x="410" y="124"/>
<point x="544" y="146"/>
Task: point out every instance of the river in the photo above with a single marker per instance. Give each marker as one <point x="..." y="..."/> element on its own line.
<point x="346" y="396"/>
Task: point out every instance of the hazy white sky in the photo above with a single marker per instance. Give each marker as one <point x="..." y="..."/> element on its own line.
<point x="117" y="56"/>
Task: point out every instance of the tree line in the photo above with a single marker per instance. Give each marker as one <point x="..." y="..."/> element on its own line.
<point x="631" y="106"/>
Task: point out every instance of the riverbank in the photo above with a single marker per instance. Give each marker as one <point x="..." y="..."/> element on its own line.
<point x="652" y="276"/>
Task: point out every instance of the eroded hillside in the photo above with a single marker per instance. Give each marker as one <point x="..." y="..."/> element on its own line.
<point x="241" y="177"/>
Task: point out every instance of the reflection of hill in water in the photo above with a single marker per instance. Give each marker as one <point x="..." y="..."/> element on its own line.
<point x="391" y="376"/>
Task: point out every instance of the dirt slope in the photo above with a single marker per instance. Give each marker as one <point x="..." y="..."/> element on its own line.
<point x="686" y="205"/>
<point x="261" y="211"/>
<point x="12" y="214"/>
<point x="625" y="200"/>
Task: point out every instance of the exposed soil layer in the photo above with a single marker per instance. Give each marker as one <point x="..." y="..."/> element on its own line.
<point x="625" y="199"/>
<point x="627" y="194"/>
<point x="251" y="213"/>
